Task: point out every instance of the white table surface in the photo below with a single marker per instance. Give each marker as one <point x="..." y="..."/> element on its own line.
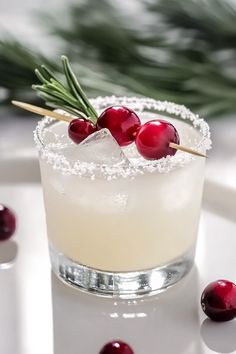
<point x="41" y="315"/>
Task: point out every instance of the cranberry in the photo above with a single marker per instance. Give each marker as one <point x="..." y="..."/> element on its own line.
<point x="122" y="122"/>
<point x="7" y="222"/>
<point x="116" y="347"/>
<point x="154" y="137"/>
<point x="218" y="300"/>
<point x="79" y="129"/>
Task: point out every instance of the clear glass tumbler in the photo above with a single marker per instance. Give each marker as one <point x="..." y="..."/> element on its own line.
<point x="127" y="228"/>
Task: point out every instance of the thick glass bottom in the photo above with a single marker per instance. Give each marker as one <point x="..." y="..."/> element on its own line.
<point x="120" y="284"/>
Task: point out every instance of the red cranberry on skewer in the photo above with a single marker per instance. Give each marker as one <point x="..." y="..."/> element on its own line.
<point x="122" y="122"/>
<point x="153" y="139"/>
<point x="79" y="129"/>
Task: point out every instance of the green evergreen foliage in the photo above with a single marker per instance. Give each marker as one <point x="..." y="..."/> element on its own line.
<point x="184" y="51"/>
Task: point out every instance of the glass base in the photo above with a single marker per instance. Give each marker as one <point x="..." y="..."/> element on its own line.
<point x="120" y="284"/>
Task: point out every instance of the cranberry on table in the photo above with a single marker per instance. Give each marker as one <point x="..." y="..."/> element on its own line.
<point x="79" y="129"/>
<point x="116" y="347"/>
<point x="122" y="122"/>
<point x="154" y="137"/>
<point x="218" y="300"/>
<point x="7" y="222"/>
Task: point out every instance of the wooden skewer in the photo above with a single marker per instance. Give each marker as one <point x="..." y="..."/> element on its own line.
<point x="42" y="111"/>
<point x="185" y="149"/>
<point x="46" y="112"/>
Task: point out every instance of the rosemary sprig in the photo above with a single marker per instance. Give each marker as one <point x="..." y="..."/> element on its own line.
<point x="70" y="97"/>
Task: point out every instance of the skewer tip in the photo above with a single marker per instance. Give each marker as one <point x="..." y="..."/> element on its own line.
<point x="188" y="150"/>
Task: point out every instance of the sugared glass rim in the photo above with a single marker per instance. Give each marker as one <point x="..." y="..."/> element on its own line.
<point x="164" y="165"/>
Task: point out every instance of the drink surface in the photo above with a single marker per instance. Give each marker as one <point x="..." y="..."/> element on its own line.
<point x="123" y="224"/>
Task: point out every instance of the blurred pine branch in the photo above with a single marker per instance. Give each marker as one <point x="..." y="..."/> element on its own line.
<point x="184" y="52"/>
<point x="17" y="65"/>
<point x="210" y="21"/>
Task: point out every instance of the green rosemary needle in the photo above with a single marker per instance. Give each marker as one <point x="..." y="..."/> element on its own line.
<point x="68" y="96"/>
